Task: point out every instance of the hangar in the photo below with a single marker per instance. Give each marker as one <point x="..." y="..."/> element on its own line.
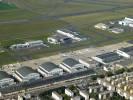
<point x="126" y="52"/>
<point x="5" y="79"/>
<point x="26" y="73"/>
<point x="107" y="58"/>
<point x="71" y="65"/>
<point x="49" y="69"/>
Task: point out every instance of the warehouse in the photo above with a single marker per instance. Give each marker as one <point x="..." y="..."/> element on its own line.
<point x="107" y="58"/>
<point x="25" y="73"/>
<point x="126" y="22"/>
<point x="37" y="43"/>
<point x="5" y="79"/>
<point x="49" y="69"/>
<point x="126" y="52"/>
<point x="59" y="39"/>
<point x="70" y="34"/>
<point x="71" y="65"/>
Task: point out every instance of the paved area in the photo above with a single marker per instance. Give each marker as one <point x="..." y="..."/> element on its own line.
<point x="83" y="53"/>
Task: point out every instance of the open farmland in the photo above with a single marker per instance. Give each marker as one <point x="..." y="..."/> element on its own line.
<point x="37" y="19"/>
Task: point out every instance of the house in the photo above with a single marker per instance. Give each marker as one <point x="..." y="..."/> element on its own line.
<point x="71" y="65"/>
<point x="76" y="98"/>
<point x="101" y="26"/>
<point x="26" y="73"/>
<point x="68" y="92"/>
<point x="84" y="94"/>
<point x="49" y="69"/>
<point x="5" y="79"/>
<point x="56" y="96"/>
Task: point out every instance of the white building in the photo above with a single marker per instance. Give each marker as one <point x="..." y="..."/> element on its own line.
<point x="84" y="94"/>
<point x="59" y="39"/>
<point x="76" y="98"/>
<point x="56" y="96"/>
<point x="49" y="69"/>
<point x="101" y="26"/>
<point x="26" y="74"/>
<point x="126" y="22"/>
<point x="105" y="95"/>
<point x="5" y="79"/>
<point x="107" y="58"/>
<point x="26" y="45"/>
<point x="68" y="92"/>
<point x="126" y="52"/>
<point x="69" y="34"/>
<point x="35" y="43"/>
<point x="71" y="65"/>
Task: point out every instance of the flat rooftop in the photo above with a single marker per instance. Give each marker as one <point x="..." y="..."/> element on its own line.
<point x="25" y="70"/>
<point x="49" y="66"/>
<point x="109" y="57"/>
<point x="4" y="75"/>
<point x="70" y="62"/>
<point x="128" y="50"/>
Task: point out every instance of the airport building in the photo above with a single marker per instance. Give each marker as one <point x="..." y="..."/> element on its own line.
<point x="26" y="45"/>
<point x="49" y="69"/>
<point x="107" y="58"/>
<point x="70" y="34"/>
<point x="5" y="79"/>
<point x="126" y="52"/>
<point x="126" y="22"/>
<point x="59" y="39"/>
<point x="25" y="73"/>
<point x="71" y="65"/>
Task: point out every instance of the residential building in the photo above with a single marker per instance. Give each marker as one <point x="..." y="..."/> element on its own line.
<point x="56" y="96"/>
<point x="68" y="92"/>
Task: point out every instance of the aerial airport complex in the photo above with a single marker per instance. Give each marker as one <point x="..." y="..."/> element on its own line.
<point x="80" y="50"/>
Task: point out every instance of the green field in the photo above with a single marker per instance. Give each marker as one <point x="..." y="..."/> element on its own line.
<point x="37" y="19"/>
<point x="5" y="6"/>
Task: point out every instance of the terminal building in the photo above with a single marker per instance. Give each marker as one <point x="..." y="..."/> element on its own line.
<point x="126" y="52"/>
<point x="71" y="65"/>
<point x="126" y="22"/>
<point x="107" y="58"/>
<point x="5" y="79"/>
<point x="25" y="73"/>
<point x="49" y="69"/>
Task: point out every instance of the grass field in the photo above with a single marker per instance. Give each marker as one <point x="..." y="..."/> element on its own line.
<point x="37" y="19"/>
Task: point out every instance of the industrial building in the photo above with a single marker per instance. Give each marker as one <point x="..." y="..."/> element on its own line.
<point x="126" y="22"/>
<point x="5" y="79"/>
<point x="126" y="52"/>
<point x="26" y="45"/>
<point x="49" y="69"/>
<point x="71" y="65"/>
<point x="70" y="34"/>
<point x="59" y="39"/>
<point x="56" y="96"/>
<point x="107" y="58"/>
<point x="25" y="73"/>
